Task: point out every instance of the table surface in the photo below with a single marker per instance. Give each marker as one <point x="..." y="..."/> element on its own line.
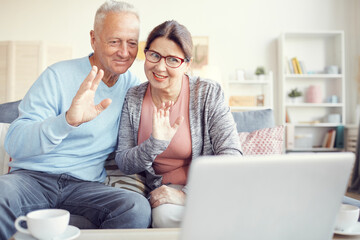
<point x="148" y="234"/>
<point x="151" y="234"/>
<point x="130" y="234"/>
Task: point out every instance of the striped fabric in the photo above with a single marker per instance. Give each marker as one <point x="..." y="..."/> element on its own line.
<point x="116" y="178"/>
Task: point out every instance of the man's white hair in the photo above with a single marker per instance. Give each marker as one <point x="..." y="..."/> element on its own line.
<point x="112" y="6"/>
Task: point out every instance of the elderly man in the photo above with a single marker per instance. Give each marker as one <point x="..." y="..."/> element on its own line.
<point x="67" y="128"/>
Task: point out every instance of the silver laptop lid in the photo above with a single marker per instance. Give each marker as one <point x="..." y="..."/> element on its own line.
<point x="290" y="196"/>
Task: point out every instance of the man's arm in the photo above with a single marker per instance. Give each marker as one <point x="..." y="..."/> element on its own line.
<point x="41" y="125"/>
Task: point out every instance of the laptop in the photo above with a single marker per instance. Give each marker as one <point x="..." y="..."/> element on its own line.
<point x="282" y="197"/>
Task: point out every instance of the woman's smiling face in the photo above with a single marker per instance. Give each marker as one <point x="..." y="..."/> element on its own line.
<point x="159" y="74"/>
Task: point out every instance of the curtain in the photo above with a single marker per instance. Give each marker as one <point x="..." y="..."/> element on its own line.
<point x="355" y="183"/>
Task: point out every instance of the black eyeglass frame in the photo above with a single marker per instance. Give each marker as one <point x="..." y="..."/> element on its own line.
<point x="161" y="57"/>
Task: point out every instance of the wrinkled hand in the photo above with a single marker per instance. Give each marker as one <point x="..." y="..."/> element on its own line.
<point x="161" y="127"/>
<point x="82" y="108"/>
<point x="165" y="194"/>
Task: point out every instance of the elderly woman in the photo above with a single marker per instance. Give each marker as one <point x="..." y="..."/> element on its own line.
<point x="171" y="120"/>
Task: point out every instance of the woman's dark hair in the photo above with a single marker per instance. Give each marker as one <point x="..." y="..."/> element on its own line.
<point x="175" y="32"/>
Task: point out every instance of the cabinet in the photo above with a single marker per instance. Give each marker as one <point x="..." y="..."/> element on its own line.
<point x="252" y="94"/>
<point x="22" y="62"/>
<point x="351" y="136"/>
<point x="322" y="82"/>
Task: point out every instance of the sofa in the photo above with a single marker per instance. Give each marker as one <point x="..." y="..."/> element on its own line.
<point x="257" y="132"/>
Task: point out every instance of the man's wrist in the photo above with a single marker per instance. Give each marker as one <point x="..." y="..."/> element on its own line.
<point x="73" y="124"/>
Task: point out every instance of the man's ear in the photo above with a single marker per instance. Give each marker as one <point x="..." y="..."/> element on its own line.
<point x="92" y="39"/>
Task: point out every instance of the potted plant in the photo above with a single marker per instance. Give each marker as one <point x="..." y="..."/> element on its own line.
<point x="260" y="72"/>
<point x="295" y="94"/>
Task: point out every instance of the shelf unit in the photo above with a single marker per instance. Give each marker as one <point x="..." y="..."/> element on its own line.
<point x="312" y="120"/>
<point x="21" y="62"/>
<point x="251" y="89"/>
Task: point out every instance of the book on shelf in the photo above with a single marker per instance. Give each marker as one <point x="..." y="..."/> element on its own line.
<point x="296" y="66"/>
<point x="325" y="139"/>
<point x="332" y="140"/>
<point x="290" y="66"/>
<point x="329" y="139"/>
<point x="302" y="66"/>
<point x="339" y="140"/>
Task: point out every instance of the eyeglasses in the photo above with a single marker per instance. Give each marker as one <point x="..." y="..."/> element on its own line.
<point x="171" y="61"/>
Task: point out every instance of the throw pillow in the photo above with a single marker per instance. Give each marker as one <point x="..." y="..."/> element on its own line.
<point x="249" y="121"/>
<point x="263" y="141"/>
<point x="4" y="157"/>
<point x="116" y="178"/>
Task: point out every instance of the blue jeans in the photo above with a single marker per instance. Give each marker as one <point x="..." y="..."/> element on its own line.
<point x="23" y="191"/>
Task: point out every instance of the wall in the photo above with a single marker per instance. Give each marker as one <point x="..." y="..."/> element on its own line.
<point x="242" y="34"/>
<point x="353" y="61"/>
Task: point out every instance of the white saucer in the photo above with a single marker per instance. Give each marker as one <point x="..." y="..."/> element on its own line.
<point x="70" y="233"/>
<point x="353" y="231"/>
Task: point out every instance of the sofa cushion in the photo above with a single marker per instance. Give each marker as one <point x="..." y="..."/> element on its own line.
<point x="263" y="141"/>
<point x="250" y="121"/>
<point x="9" y="111"/>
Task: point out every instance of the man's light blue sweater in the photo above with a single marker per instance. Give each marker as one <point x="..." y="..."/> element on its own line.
<point x="40" y="139"/>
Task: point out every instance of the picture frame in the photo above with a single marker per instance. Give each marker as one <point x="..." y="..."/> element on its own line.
<point x="200" y="51"/>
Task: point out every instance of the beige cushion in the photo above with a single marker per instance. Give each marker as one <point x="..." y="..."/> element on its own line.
<point x="4" y="157"/>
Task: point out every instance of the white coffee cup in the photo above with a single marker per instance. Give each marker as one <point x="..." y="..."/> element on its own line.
<point x="45" y="223"/>
<point x="347" y="216"/>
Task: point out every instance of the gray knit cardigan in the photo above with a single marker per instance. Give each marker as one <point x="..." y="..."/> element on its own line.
<point x="212" y="127"/>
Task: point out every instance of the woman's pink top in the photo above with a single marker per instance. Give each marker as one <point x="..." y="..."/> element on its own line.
<point x="173" y="163"/>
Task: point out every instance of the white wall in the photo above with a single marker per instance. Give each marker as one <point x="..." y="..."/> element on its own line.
<point x="242" y="33"/>
<point x="353" y="61"/>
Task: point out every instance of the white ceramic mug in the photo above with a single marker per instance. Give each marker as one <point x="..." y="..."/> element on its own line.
<point x="45" y="223"/>
<point x="347" y="216"/>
